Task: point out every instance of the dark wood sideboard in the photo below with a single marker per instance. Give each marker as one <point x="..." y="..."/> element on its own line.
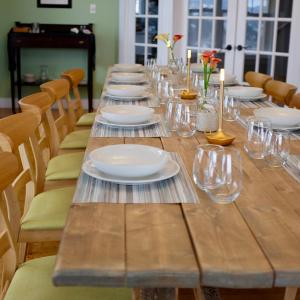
<point x="49" y="36"/>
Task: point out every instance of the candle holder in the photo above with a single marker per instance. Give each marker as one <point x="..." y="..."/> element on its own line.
<point x="188" y="93"/>
<point x="220" y="137"/>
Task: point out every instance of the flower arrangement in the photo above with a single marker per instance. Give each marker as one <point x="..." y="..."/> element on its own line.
<point x="210" y="62"/>
<point x="170" y="43"/>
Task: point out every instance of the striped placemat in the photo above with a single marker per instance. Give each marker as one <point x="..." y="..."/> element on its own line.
<point x="156" y="130"/>
<point x="178" y="189"/>
<point x="152" y="101"/>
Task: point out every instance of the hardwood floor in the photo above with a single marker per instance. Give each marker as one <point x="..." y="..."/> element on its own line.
<point x="36" y="250"/>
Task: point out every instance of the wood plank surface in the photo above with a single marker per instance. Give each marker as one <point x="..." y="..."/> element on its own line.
<point x="158" y="247"/>
<point x="92" y="251"/>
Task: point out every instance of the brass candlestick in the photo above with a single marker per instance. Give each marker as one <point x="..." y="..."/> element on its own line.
<point x="220" y="137"/>
<point x="188" y="94"/>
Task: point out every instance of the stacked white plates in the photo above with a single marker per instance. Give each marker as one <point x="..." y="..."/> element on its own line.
<point x="280" y="117"/>
<point x="128" y="77"/>
<point x="230" y="79"/>
<point x="127" y="116"/>
<point x="246" y="93"/>
<point x="198" y="68"/>
<point x="130" y="164"/>
<point x="129" y="68"/>
<point x="126" y="92"/>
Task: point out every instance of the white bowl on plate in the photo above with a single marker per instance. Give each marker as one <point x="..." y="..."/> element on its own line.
<point x="128" y="160"/>
<point x="128" y="67"/>
<point x="128" y="77"/>
<point x="229" y="78"/>
<point x="123" y="90"/>
<point x="244" y="91"/>
<point x="127" y="114"/>
<point x="280" y="116"/>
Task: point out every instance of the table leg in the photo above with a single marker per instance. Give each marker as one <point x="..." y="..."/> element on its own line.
<point x="157" y="294"/>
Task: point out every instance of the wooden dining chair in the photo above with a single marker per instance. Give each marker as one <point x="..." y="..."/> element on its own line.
<point x="38" y="216"/>
<point x="281" y="92"/>
<point x="60" y="167"/>
<point x="295" y="102"/>
<point x="257" y="79"/>
<point x="58" y="90"/>
<point x="32" y="279"/>
<point x="75" y="76"/>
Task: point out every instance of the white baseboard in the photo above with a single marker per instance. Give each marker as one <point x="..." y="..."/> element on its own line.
<point x="6" y="103"/>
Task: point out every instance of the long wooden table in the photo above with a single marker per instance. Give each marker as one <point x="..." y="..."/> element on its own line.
<point x="252" y="243"/>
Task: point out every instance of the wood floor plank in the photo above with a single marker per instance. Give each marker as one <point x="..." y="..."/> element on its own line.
<point x="159" y="251"/>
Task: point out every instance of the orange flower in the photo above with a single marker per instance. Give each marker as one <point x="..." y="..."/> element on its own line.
<point x="177" y="37"/>
<point x="214" y="62"/>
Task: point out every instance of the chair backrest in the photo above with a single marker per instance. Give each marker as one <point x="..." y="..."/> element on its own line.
<point x="40" y="104"/>
<point x="257" y="79"/>
<point x="59" y="91"/>
<point x="9" y="170"/>
<point x="74" y="76"/>
<point x="17" y="135"/>
<point x="281" y="92"/>
<point x="295" y="102"/>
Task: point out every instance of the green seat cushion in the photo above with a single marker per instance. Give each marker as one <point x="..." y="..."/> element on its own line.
<point x="32" y="281"/>
<point x="76" y="139"/>
<point x="86" y="119"/>
<point x="65" y="166"/>
<point x="48" y="210"/>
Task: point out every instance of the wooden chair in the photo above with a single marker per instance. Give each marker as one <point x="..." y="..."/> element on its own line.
<point x="257" y="79"/>
<point x="74" y="76"/>
<point x="60" y="167"/>
<point x="295" y="102"/>
<point x="32" y="280"/>
<point x="38" y="216"/>
<point x="59" y="92"/>
<point x="281" y="92"/>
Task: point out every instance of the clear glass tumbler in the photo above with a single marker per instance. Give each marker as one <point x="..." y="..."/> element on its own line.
<point x="231" y="176"/>
<point x="207" y="166"/>
<point x="277" y="147"/>
<point x="256" y="132"/>
<point x="170" y="114"/>
<point x="231" y="109"/>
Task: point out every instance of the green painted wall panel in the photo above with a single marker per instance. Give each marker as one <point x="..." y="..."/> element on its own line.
<point x="105" y="28"/>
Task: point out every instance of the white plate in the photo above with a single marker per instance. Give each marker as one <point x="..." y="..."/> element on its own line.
<point x="229" y="79"/>
<point x="244" y="91"/>
<point x="170" y="170"/>
<point x="127" y="77"/>
<point x="291" y="128"/>
<point x="127" y="114"/>
<point x="198" y="68"/>
<point x="262" y="96"/>
<point x="129" y="160"/>
<point x="121" y="90"/>
<point x="128" y="68"/>
<point x="154" y="120"/>
<point x="279" y="116"/>
<point x="129" y="98"/>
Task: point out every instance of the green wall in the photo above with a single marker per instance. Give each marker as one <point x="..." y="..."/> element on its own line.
<point x="105" y="28"/>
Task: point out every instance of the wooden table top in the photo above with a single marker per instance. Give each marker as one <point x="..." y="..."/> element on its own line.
<point x="252" y="243"/>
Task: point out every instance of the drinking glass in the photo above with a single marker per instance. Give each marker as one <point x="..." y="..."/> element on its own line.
<point x="207" y="166"/>
<point x="231" y="109"/>
<point x="231" y="177"/>
<point x="277" y="147"/>
<point x="256" y="132"/>
<point x="186" y="118"/>
<point x="170" y="114"/>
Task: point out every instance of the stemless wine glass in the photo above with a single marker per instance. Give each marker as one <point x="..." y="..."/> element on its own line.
<point x="256" y="131"/>
<point x="186" y="118"/>
<point x="231" y="109"/>
<point x="170" y="114"/>
<point x="276" y="147"/>
<point x="207" y="166"/>
<point x="231" y="177"/>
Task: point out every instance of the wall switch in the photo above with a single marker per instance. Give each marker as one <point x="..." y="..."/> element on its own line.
<point x="92" y="8"/>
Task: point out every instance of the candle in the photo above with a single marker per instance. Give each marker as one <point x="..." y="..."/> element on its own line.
<point x="189" y="54"/>
<point x="222" y="75"/>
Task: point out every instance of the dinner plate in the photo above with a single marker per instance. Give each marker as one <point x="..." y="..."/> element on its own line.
<point x="259" y="97"/>
<point x="128" y="68"/>
<point x="244" y="91"/>
<point x="129" y="160"/>
<point x="170" y="170"/>
<point x="142" y="81"/>
<point x="127" y="114"/>
<point x="198" y="68"/>
<point x="154" y="120"/>
<point x="125" y="90"/>
<point x="129" y="98"/>
<point x="128" y="77"/>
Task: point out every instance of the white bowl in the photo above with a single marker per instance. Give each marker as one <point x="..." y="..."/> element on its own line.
<point x="244" y="91"/>
<point x="128" y="77"/>
<point x="197" y="67"/>
<point x="127" y="114"/>
<point x="282" y="116"/>
<point x="128" y="160"/>
<point x="126" y="90"/>
<point x="128" y="67"/>
<point x="229" y="78"/>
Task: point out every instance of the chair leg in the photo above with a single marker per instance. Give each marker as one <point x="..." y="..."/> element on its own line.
<point x="22" y="252"/>
<point x="290" y="293"/>
<point x="198" y="293"/>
